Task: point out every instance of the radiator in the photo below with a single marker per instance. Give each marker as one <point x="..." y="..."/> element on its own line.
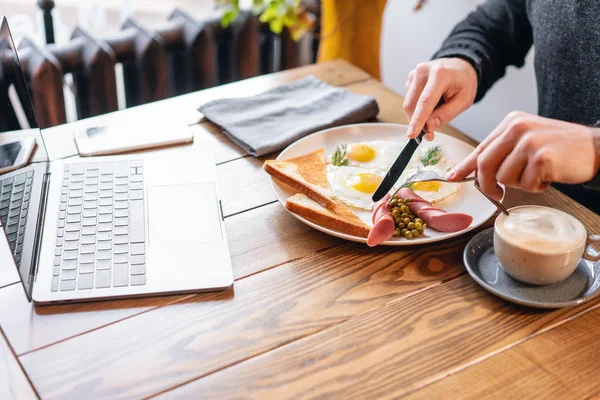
<point x="182" y="55"/>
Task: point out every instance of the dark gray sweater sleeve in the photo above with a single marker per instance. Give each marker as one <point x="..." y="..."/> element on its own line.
<point x="497" y="34"/>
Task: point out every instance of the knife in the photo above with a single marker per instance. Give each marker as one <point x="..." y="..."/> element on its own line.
<point x="400" y="164"/>
<point x="398" y="167"/>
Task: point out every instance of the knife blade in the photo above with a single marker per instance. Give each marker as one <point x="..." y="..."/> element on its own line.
<point x="398" y="167"/>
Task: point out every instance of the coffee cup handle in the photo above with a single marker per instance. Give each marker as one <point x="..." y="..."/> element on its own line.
<point x="588" y="254"/>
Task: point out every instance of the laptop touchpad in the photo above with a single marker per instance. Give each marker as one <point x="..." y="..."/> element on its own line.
<point x="183" y="215"/>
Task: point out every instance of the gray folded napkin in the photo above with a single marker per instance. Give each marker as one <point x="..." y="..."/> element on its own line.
<point x="272" y="120"/>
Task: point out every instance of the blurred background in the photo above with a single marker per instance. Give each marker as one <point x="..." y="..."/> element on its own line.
<point x="157" y="49"/>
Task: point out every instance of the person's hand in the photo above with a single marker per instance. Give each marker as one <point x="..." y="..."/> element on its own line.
<point x="529" y="152"/>
<point x="453" y="78"/>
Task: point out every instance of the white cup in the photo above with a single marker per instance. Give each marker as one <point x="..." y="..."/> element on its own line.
<point x="541" y="245"/>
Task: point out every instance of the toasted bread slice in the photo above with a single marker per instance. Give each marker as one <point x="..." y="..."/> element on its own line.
<point x="340" y="218"/>
<point x="307" y="174"/>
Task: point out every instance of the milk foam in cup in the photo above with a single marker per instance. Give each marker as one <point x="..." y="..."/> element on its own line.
<point x="541" y="245"/>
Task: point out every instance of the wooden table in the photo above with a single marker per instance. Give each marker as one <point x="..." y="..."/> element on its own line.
<point x="310" y="315"/>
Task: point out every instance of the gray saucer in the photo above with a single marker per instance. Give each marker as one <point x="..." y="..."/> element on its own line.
<point x="484" y="267"/>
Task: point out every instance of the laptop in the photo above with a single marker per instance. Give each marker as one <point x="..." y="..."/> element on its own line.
<point x="113" y="226"/>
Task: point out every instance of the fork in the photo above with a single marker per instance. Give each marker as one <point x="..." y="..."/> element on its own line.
<point x="428" y="176"/>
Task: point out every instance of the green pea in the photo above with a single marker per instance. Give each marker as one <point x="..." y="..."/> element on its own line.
<point x="406" y="221"/>
<point x="397" y="232"/>
<point x="424" y="226"/>
<point x="406" y="200"/>
<point x="411" y="226"/>
<point x="401" y="225"/>
<point x="408" y="235"/>
<point x="404" y="215"/>
<point x="394" y="202"/>
<point x="418" y="225"/>
<point x="404" y="209"/>
<point x="399" y="221"/>
<point x="403" y="231"/>
<point x="415" y="232"/>
<point x="418" y="220"/>
<point x="395" y="213"/>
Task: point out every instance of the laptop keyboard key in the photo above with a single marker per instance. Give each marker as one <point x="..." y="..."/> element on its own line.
<point x="137" y="222"/>
<point x="121" y="259"/>
<point x="88" y="230"/>
<point x="121" y="239"/>
<point x="138" y="280"/>
<point x="120" y="275"/>
<point x="87" y="249"/>
<point x="86" y="259"/>
<point x="103" y="265"/>
<point x="139" y="269"/>
<point x="103" y="278"/>
<point x="55" y="281"/>
<point x="86" y="269"/>
<point x="85" y="282"/>
<point x="121" y="249"/>
<point x="140" y="259"/>
<point x="68" y="275"/>
<point x="104" y="236"/>
<point x="103" y="255"/>
<point x="69" y="264"/>
<point x="88" y="239"/>
<point x="77" y="169"/>
<point x="67" y="285"/>
<point x="105" y="245"/>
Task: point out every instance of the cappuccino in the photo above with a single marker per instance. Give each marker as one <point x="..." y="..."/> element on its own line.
<point x="539" y="245"/>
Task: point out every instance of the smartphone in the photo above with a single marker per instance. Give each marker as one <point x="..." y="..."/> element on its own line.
<point x="14" y="155"/>
<point x="123" y="136"/>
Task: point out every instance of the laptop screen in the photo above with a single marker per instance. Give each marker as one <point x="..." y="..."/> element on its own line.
<point x="17" y="122"/>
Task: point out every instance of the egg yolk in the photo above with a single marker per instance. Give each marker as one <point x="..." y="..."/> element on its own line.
<point x="432" y="186"/>
<point x="365" y="182"/>
<point x="361" y="152"/>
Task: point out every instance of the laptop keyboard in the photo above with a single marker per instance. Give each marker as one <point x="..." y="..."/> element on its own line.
<point x="100" y="240"/>
<point x="14" y="204"/>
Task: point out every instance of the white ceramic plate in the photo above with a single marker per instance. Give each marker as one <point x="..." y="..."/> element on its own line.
<point x="468" y="200"/>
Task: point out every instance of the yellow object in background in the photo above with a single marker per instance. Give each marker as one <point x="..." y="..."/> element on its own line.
<point x="351" y="30"/>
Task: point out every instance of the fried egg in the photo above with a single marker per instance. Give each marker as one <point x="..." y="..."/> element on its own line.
<point x="354" y="186"/>
<point x="378" y="155"/>
<point x="434" y="191"/>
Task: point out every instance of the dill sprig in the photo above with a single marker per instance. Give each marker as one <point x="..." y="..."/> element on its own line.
<point x="433" y="156"/>
<point x="339" y="158"/>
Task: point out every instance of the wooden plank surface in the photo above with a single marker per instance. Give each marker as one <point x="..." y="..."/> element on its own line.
<point x="559" y="364"/>
<point x="169" y="346"/>
<point x="277" y="238"/>
<point x="386" y="353"/>
<point x="13" y="382"/>
<point x="29" y="328"/>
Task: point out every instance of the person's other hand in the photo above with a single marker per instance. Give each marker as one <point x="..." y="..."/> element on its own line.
<point x="454" y="79"/>
<point x="529" y="152"/>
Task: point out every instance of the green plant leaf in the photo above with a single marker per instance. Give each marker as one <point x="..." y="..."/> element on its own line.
<point x="276" y="25"/>
<point x="229" y="15"/>
<point x="269" y="13"/>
